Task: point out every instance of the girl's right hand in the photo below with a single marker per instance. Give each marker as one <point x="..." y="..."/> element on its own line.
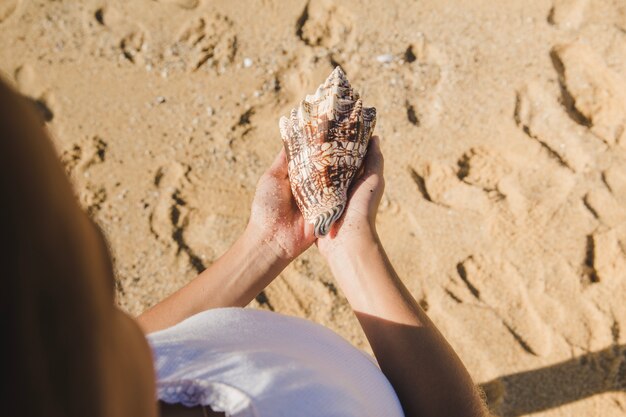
<point x="358" y="223"/>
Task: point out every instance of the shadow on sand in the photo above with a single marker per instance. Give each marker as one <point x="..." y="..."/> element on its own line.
<point x="562" y="383"/>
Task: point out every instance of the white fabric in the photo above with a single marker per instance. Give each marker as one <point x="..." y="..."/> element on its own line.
<point x="253" y="363"/>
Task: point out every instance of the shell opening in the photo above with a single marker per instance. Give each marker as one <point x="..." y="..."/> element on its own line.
<point x="323" y="222"/>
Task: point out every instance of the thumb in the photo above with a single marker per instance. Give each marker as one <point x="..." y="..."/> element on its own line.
<point x="279" y="166"/>
<point x="374" y="161"/>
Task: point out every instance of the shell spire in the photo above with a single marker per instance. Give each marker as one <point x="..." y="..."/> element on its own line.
<point x="326" y="139"/>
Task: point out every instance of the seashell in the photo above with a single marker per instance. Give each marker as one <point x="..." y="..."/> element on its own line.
<point x="326" y="139"/>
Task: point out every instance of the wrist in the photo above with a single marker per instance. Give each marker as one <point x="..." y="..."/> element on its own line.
<point x="247" y="268"/>
<point x="347" y="246"/>
<point x="264" y="246"/>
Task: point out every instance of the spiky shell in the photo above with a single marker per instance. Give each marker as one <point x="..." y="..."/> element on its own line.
<point x="326" y="139"/>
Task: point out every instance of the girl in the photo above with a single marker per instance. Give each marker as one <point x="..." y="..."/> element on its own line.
<point x="73" y="353"/>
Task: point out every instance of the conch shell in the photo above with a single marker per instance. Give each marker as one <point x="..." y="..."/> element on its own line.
<point x="326" y="139"/>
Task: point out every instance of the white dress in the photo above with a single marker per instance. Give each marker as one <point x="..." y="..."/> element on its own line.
<point x="254" y="363"/>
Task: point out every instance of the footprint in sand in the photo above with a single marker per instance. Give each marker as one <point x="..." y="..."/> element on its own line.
<point x="598" y="93"/>
<point x="605" y="260"/>
<point x="482" y="167"/>
<point x="499" y="286"/>
<point x="80" y="158"/>
<point x="546" y="190"/>
<point x="440" y="184"/>
<point x="608" y="203"/>
<point x="29" y="85"/>
<point x="170" y="216"/>
<point x="84" y="155"/>
<point x="93" y="152"/>
<point x="209" y="41"/>
<point x="70" y="158"/>
<point x="44" y="104"/>
<point x="415" y="78"/>
<point x="542" y="119"/>
<point x="602" y="205"/>
<point x="7" y="8"/>
<point x="424" y="71"/>
<point x="568" y="14"/>
<point x="615" y="179"/>
<point x="169" y="181"/>
<point x="131" y="39"/>
<point x="27" y="81"/>
<point x="132" y="44"/>
<point x="473" y="184"/>
<point x="294" y="292"/>
<point x="92" y="197"/>
<point x="411" y="114"/>
<point x="325" y="24"/>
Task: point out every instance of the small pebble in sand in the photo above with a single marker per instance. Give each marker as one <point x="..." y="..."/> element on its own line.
<point x="384" y="58"/>
<point x="209" y="111"/>
<point x="247" y="62"/>
<point x="122" y="195"/>
<point x="160" y="100"/>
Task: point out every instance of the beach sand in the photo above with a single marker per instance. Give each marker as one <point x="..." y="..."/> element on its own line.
<point x="503" y="128"/>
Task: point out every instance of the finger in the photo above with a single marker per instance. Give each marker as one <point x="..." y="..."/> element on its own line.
<point x="309" y="229"/>
<point x="374" y="160"/>
<point x="279" y="166"/>
<point x="372" y="168"/>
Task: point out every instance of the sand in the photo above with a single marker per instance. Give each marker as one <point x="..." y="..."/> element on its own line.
<point x="503" y="127"/>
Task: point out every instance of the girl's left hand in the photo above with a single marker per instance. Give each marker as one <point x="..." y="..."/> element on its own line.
<point x="275" y="218"/>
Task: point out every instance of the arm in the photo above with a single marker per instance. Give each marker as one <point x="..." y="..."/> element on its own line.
<point x="276" y="234"/>
<point x="427" y="375"/>
<point x="235" y="279"/>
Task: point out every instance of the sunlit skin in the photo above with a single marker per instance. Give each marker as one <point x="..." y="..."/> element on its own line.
<point x="275" y="216"/>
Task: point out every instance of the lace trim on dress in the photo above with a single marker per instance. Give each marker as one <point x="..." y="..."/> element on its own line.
<point x="217" y="395"/>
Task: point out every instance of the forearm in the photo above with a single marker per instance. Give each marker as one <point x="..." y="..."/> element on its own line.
<point x="427" y="375"/>
<point x="235" y="279"/>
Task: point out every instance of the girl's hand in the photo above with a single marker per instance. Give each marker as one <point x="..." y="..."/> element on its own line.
<point x="358" y="222"/>
<point x="275" y="235"/>
<point x="275" y="217"/>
